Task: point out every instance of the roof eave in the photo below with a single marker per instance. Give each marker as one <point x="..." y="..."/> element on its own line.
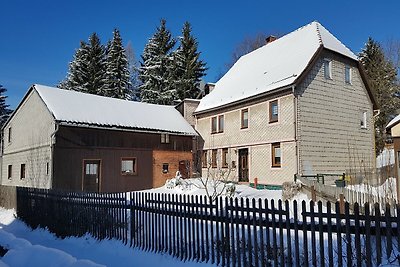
<point x="120" y="128"/>
<point x="247" y="99"/>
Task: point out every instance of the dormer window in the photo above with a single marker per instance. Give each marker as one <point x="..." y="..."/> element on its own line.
<point x="328" y="69"/>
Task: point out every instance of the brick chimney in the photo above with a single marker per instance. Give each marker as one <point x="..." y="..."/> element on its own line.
<point x="270" y="39"/>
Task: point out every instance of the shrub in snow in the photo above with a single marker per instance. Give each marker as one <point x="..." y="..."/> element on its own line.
<point x="290" y="189"/>
<point x="230" y="190"/>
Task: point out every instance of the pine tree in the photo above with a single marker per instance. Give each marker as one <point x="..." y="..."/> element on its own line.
<point x="88" y="69"/>
<point x="4" y="110"/>
<point x="78" y="70"/>
<point x="96" y="66"/>
<point x="133" y="66"/>
<point x="189" y="67"/>
<point x="117" y="72"/>
<point x="382" y="79"/>
<point x="156" y="71"/>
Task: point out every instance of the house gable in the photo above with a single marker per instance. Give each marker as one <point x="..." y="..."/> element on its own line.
<point x="330" y="136"/>
<point x="32" y="126"/>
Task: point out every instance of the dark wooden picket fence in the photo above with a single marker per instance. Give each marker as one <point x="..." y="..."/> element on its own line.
<point x="228" y="232"/>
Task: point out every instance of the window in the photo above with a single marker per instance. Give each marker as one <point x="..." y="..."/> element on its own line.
<point x="9" y="135"/>
<point x="276" y="155"/>
<point x="214" y="125"/>
<point x="225" y="158"/>
<point x="245" y="118"/>
<point x="9" y="173"/>
<point x="47" y="168"/>
<point x="221" y="123"/>
<point x="214" y="158"/>
<point x="204" y="159"/>
<point x="165" y="167"/>
<point x="347" y="74"/>
<point x="217" y="124"/>
<point x="22" y="174"/>
<point x="91" y="168"/>
<point x="128" y="166"/>
<point x="364" y="120"/>
<point x="164" y="138"/>
<point x="328" y="69"/>
<point x="273" y="111"/>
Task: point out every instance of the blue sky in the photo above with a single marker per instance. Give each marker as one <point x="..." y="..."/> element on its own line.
<point x="38" y="38"/>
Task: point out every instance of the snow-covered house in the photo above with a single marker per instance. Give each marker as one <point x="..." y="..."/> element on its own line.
<point x="298" y="105"/>
<point x="70" y="140"/>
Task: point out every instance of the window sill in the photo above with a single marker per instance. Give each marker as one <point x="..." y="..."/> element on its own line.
<point x="274" y="121"/>
<point x="276" y="166"/>
<point x="128" y="174"/>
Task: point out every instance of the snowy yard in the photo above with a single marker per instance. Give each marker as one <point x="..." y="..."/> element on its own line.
<point x="41" y="248"/>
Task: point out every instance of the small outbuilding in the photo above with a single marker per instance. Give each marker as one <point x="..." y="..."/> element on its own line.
<point x="70" y="140"/>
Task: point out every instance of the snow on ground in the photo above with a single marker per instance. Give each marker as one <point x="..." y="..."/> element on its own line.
<point x="41" y="248"/>
<point x="387" y="189"/>
<point x="194" y="187"/>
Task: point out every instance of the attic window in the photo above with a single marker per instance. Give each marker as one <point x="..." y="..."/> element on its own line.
<point x="363" y="120"/>
<point x="347" y="74"/>
<point x="9" y="134"/>
<point x="273" y="111"/>
<point x="328" y="68"/>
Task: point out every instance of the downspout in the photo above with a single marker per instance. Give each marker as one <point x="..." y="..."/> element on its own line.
<point x="295" y="114"/>
<point x="52" y="143"/>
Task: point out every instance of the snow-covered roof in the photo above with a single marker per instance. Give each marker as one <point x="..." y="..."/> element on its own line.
<point x="275" y="65"/>
<point x="86" y="109"/>
<point x="393" y="122"/>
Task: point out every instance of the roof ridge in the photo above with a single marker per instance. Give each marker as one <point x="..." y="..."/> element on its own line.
<point x="317" y="24"/>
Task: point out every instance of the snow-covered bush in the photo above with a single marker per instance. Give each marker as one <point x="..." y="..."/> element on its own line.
<point x="290" y="189"/>
<point x="230" y="190"/>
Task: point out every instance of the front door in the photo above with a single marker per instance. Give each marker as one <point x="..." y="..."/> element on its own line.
<point x="91" y="175"/>
<point x="243" y="165"/>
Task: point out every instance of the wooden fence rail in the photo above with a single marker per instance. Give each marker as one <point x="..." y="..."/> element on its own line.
<point x="227" y="232"/>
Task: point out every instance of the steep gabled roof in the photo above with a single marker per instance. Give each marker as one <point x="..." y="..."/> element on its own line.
<point x="276" y="65"/>
<point x="75" y="108"/>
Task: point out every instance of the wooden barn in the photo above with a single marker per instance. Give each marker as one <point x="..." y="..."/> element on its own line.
<point x="75" y="141"/>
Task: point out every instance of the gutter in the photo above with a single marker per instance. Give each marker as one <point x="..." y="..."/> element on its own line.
<point x="61" y="123"/>
<point x="248" y="99"/>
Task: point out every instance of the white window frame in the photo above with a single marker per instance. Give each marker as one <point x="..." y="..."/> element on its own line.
<point x="363" y="120"/>
<point x="350" y="75"/>
<point x="327" y="75"/>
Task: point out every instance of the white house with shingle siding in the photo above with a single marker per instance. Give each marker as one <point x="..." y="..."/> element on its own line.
<point x="298" y="105"/>
<point x="27" y="145"/>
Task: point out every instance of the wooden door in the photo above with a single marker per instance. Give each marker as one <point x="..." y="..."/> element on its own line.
<point x="243" y="165"/>
<point x="184" y="167"/>
<point x="91" y="175"/>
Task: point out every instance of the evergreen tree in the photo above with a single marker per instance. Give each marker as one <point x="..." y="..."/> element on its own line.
<point x="156" y="71"/>
<point x="189" y="67"/>
<point x="96" y="66"/>
<point x="4" y="110"/>
<point x="117" y="71"/>
<point x="133" y="66"/>
<point x="88" y="69"/>
<point x="382" y="79"/>
<point x="78" y="70"/>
